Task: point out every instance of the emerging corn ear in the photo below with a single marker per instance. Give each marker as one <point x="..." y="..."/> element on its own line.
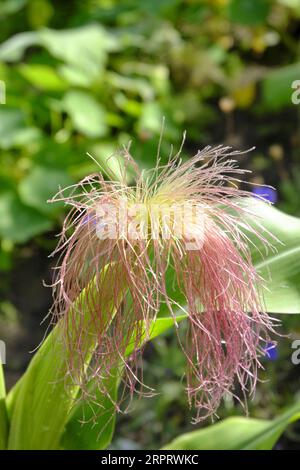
<point x="183" y="217"/>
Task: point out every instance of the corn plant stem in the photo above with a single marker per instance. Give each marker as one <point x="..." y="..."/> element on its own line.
<point x="44" y="398"/>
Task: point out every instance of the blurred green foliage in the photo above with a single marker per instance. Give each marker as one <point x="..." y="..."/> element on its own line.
<point x="90" y="76"/>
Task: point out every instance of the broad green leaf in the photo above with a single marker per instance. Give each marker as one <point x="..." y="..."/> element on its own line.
<point x="280" y="269"/>
<point x="237" y="433"/>
<point x="83" y="49"/>
<point x="58" y="156"/>
<point x="75" y="76"/>
<point x="39" y="406"/>
<point x="282" y="294"/>
<point x="268" y="438"/>
<point x="135" y="86"/>
<point x="14" y="131"/>
<point x="12" y="120"/>
<point x="41" y="401"/>
<point x="9" y="7"/>
<point x="228" y="434"/>
<point x="91" y="425"/>
<point x="40" y="185"/>
<point x="250" y="12"/>
<point x="13" y="49"/>
<point x="151" y="118"/>
<point x="43" y="76"/>
<point x="19" y="222"/>
<point x="88" y="116"/>
<point x="3" y="411"/>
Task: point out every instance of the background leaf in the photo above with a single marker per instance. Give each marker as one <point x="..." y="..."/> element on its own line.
<point x="40" y="185"/>
<point x="43" y="77"/>
<point x="237" y="433"/>
<point x="87" y="115"/>
<point x="13" y="128"/>
<point x="19" y="222"/>
<point x="250" y="12"/>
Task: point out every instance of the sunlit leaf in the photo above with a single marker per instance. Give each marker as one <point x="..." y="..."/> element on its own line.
<point x="13" y="48"/>
<point x="88" y="116"/>
<point x="83" y="49"/>
<point x="237" y="433"/>
<point x="43" y="77"/>
<point x="19" y="222"/>
<point x="40" y="185"/>
<point x="280" y="269"/>
<point x="14" y="131"/>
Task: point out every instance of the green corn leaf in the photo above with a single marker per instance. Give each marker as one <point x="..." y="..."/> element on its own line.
<point x="280" y="269"/>
<point x="3" y="412"/>
<point x="91" y="425"/>
<point x="237" y="433"/>
<point x="40" y="403"/>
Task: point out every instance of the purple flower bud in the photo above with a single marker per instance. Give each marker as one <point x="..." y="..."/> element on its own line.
<point x="266" y="193"/>
<point x="271" y="351"/>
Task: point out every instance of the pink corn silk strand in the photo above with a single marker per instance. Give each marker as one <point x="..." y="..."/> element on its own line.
<point x="228" y="325"/>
